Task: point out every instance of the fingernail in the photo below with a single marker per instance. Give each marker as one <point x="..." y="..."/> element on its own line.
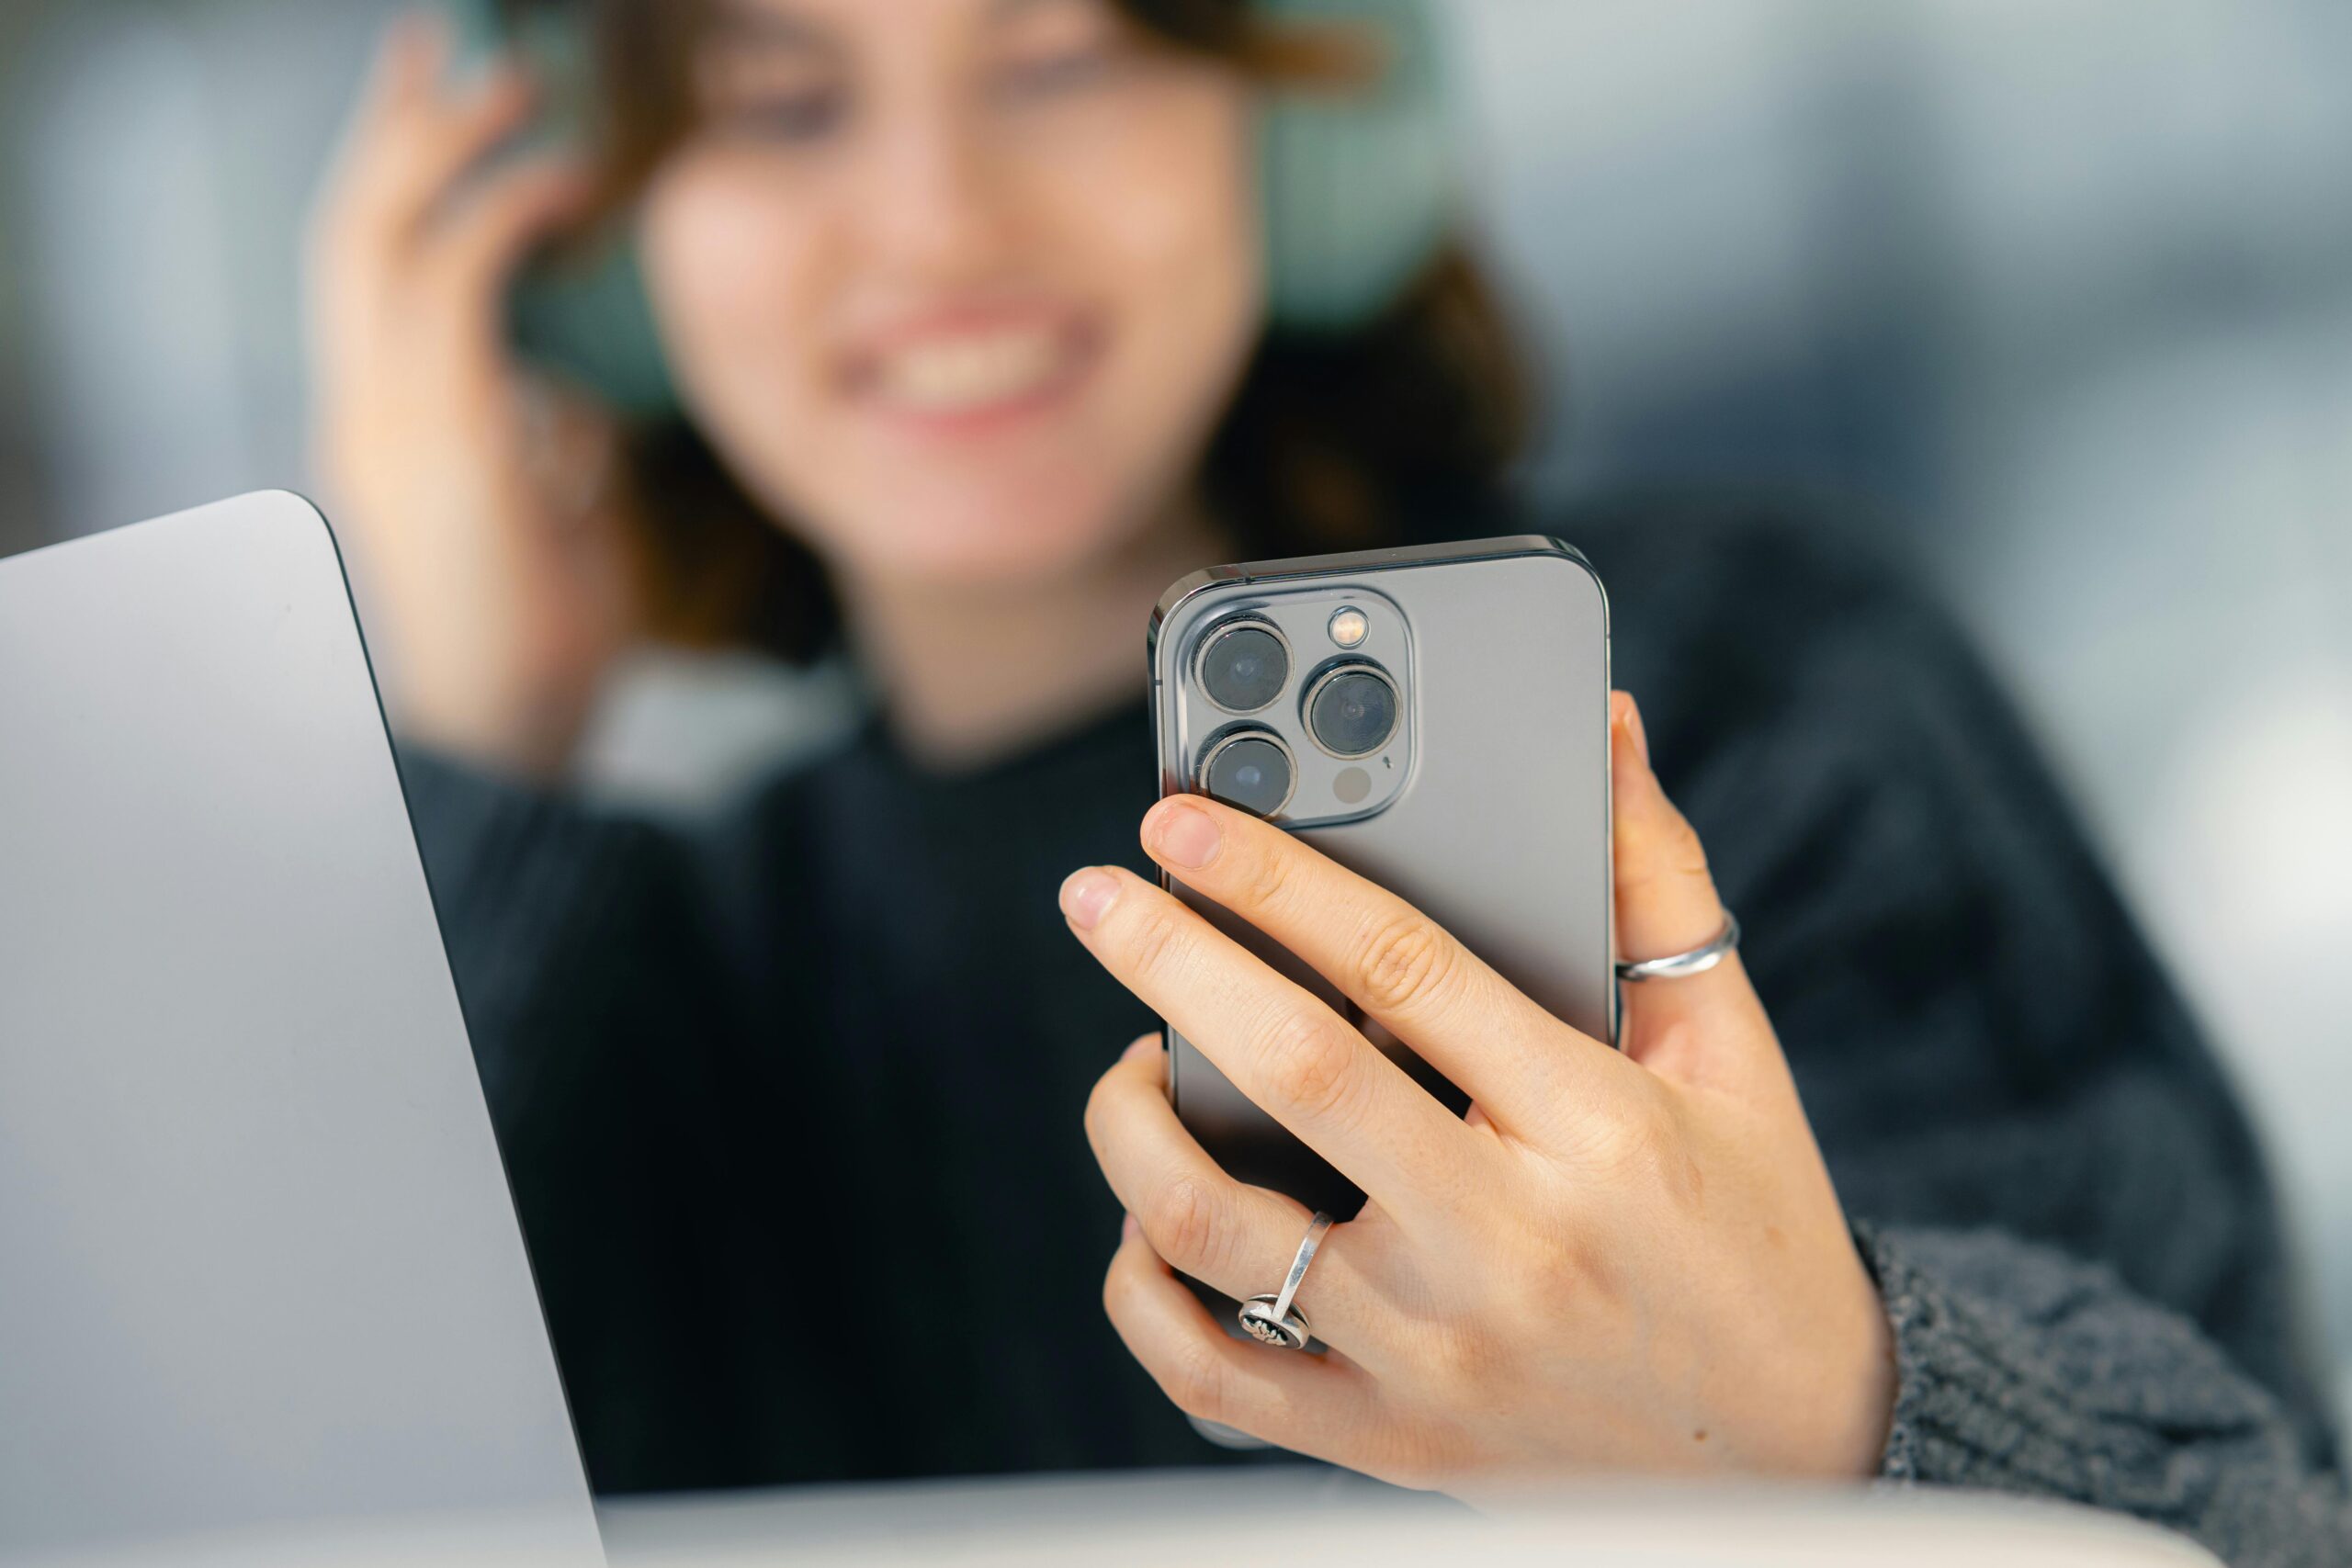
<point x="1146" y="1046"/>
<point x="1183" y="834"/>
<point x="1086" y="895"/>
<point x="1636" y="733"/>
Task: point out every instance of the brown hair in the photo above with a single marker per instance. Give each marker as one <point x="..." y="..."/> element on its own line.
<point x="1331" y="441"/>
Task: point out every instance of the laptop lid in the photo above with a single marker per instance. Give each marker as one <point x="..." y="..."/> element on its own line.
<point x="259" y="1266"/>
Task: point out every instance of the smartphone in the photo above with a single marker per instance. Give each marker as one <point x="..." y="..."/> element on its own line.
<point x="1434" y="718"/>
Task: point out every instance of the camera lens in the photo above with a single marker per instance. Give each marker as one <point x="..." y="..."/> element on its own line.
<point x="1352" y="711"/>
<point x="1244" y="666"/>
<point x="1250" y="771"/>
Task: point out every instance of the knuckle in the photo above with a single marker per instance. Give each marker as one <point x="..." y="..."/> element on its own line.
<point x="1405" y="959"/>
<point x="1683" y="840"/>
<point x="1264" y="877"/>
<point x="1556" y="1269"/>
<point x="1643" y="1140"/>
<point x="1675" y="850"/>
<point x="1098" y="1112"/>
<point x="1632" y="1134"/>
<point x="516" y="201"/>
<point x="1195" y="1379"/>
<point x="1155" y="941"/>
<point x="1184" y="1221"/>
<point x="1469" y="1358"/>
<point x="1312" y="1064"/>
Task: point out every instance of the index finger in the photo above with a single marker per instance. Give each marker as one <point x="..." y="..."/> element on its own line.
<point x="1279" y="1045"/>
<point x="408" y="62"/>
<point x="1524" y="1067"/>
<point x="418" y="133"/>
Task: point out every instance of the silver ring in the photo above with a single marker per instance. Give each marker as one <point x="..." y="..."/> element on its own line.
<point x="1271" y="1319"/>
<point x="1682" y="965"/>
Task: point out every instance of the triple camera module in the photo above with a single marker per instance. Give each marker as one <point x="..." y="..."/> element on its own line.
<point x="1349" y="708"/>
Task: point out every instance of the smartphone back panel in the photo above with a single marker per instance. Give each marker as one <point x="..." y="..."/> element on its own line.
<point x="1488" y="808"/>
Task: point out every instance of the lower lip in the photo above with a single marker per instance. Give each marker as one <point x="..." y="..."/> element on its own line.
<point x="992" y="418"/>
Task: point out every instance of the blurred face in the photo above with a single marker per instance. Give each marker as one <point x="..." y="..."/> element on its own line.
<point x="958" y="286"/>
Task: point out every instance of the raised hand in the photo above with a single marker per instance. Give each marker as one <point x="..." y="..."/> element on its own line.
<point x="478" y="503"/>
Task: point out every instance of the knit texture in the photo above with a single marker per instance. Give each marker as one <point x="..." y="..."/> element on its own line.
<point x="2023" y="1370"/>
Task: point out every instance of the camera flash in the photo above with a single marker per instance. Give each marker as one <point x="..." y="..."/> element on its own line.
<point x="1348" y="629"/>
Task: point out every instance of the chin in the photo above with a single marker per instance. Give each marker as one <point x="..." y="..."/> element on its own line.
<point x="1004" y="539"/>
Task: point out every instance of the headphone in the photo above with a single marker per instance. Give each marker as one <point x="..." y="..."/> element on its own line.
<point x="1357" y="188"/>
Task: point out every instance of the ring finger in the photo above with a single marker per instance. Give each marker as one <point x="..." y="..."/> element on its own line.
<point x="1233" y="1237"/>
<point x="1326" y="1406"/>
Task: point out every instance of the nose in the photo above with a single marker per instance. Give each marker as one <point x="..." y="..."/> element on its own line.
<point x="936" y="210"/>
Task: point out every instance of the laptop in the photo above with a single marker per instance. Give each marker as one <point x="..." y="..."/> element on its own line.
<point x="260" y="1272"/>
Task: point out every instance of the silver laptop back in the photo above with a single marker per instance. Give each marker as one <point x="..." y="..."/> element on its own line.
<point x="259" y="1266"/>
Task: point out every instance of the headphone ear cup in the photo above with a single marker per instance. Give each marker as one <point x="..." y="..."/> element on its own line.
<point x="1358" y="184"/>
<point x="589" y="320"/>
<point x="584" y="315"/>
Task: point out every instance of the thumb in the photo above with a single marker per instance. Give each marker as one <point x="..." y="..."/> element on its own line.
<point x="1666" y="897"/>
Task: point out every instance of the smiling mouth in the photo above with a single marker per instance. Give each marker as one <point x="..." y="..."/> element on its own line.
<point x="975" y="372"/>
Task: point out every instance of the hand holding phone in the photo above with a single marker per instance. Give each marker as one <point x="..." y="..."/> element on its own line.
<point x="1623" y="1262"/>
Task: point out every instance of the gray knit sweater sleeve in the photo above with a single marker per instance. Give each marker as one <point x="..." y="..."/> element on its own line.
<point x="2092" y="1293"/>
<point x="2024" y="1371"/>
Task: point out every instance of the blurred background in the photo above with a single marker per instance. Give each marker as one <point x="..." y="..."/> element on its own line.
<point x="2055" y="295"/>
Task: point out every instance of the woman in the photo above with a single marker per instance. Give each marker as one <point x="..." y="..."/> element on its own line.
<point x="966" y="306"/>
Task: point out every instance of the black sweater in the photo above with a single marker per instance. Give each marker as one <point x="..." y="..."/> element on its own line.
<point x="791" y="1101"/>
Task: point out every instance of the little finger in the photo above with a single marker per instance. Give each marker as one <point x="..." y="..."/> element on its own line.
<point x="1236" y="1238"/>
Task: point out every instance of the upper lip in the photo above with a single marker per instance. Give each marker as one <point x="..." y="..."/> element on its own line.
<point x="953" y="327"/>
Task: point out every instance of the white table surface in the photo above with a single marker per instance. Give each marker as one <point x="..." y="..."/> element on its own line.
<point x="1288" y="1516"/>
<point x="1271" y="1518"/>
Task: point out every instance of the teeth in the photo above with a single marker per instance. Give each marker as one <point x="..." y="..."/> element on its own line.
<point x="970" y="372"/>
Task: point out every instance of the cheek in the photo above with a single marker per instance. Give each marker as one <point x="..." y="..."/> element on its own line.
<point x="1172" y="208"/>
<point x="1174" y="234"/>
<point x="1150" y="217"/>
<point x="736" y="283"/>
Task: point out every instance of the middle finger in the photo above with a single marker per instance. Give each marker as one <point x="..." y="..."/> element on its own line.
<point x="1523" y="1067"/>
<point x="1280" y="1047"/>
<point x="1236" y="1238"/>
<point x="408" y="166"/>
